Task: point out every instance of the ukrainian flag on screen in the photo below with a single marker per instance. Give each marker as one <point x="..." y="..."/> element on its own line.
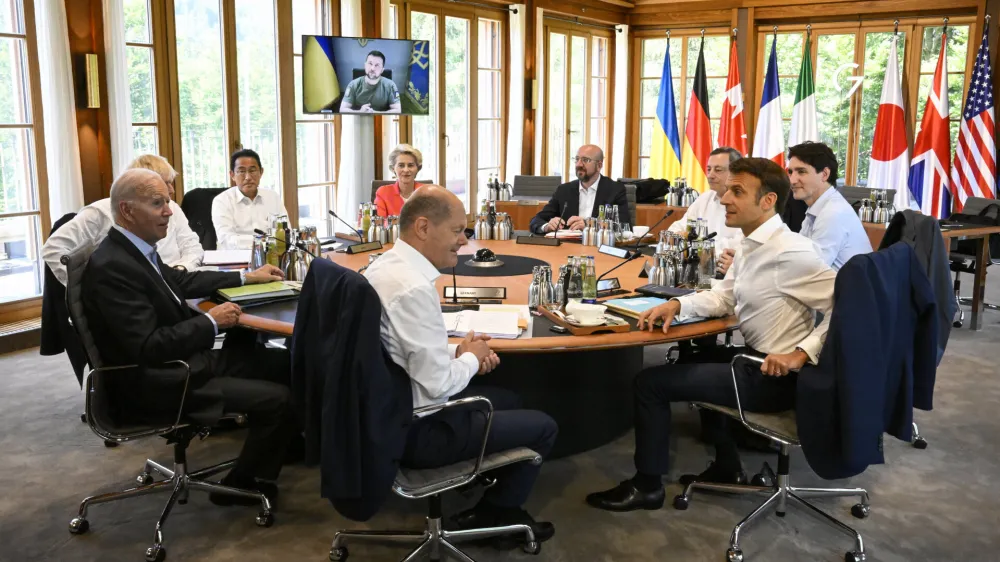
<point x="417" y="99"/>
<point x="664" y="155"/>
<point x="320" y="86"/>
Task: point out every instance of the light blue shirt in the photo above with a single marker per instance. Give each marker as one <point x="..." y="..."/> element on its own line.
<point x="150" y="252"/>
<point x="835" y="229"/>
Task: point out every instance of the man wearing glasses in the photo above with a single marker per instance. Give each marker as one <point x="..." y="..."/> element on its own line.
<point x="240" y="209"/>
<point x="574" y="201"/>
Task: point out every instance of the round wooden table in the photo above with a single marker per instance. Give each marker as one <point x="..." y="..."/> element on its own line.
<point x="583" y="382"/>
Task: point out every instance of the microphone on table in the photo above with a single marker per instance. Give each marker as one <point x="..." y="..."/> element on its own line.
<point x="351" y="228"/>
<point x="625" y="261"/>
<point x="295" y="243"/>
<point x="562" y="221"/>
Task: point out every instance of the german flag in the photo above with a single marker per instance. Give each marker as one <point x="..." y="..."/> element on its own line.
<point x="698" y="130"/>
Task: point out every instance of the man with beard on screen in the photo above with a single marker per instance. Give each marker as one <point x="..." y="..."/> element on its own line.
<point x="371" y="93"/>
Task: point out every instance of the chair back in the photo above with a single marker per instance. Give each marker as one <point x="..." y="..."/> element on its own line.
<point x="76" y="264"/>
<point x="197" y="205"/>
<point x="630" y="189"/>
<point x="379" y="183"/>
<point x="536" y="186"/>
<point x="854" y="194"/>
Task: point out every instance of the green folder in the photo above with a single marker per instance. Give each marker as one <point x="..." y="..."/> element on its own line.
<point x="260" y="291"/>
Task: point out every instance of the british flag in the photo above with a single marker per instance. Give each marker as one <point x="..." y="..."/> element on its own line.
<point x="931" y="165"/>
<point x="973" y="173"/>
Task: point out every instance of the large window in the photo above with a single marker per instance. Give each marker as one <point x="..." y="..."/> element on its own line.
<point x="684" y="47"/>
<point x="577" y="70"/>
<point x="315" y="135"/>
<point x="460" y="139"/>
<point x="139" y="55"/>
<point x="21" y="209"/>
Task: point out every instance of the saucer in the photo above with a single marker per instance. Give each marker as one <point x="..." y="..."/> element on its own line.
<point x="597" y="322"/>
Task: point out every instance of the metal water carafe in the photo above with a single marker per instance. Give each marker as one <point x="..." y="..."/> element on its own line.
<point x="393" y="228"/>
<point x="258" y="255"/>
<point x="664" y="270"/>
<point x="376" y="231"/>
<point x="688" y="197"/>
<point x="503" y="229"/>
<point x="492" y="190"/>
<point x="865" y="211"/>
<point x="534" y="289"/>
<point x="606" y="234"/>
<point x="506" y="191"/>
<point x="294" y="265"/>
<point x="590" y="232"/>
<point x="482" y="228"/>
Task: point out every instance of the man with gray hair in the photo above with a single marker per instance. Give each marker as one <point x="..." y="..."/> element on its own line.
<point x="137" y="310"/>
<point x="432" y="231"/>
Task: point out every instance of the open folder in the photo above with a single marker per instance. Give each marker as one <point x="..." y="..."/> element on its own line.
<point x="500" y="325"/>
<point x="258" y="292"/>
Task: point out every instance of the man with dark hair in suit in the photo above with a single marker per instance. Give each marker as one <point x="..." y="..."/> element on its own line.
<point x="573" y="202"/>
<point x="138" y="315"/>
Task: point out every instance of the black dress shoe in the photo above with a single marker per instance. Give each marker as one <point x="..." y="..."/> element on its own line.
<point x="626" y="497"/>
<point x="484" y="515"/>
<point x="715" y="474"/>
<point x="267" y="488"/>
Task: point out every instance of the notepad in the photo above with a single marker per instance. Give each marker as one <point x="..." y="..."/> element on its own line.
<point x="500" y="325"/>
<point x="634" y="307"/>
<point x="522" y="310"/>
<point x="260" y="291"/>
<point x="226" y="257"/>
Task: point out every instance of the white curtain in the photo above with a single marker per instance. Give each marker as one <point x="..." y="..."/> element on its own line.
<point x="621" y="96"/>
<point x="357" y="138"/>
<point x="62" y="146"/>
<point x="540" y="89"/>
<point x="119" y="101"/>
<point x="388" y="138"/>
<point x="515" y="98"/>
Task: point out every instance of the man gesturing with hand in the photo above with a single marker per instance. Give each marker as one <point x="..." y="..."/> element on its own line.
<point x="775" y="287"/>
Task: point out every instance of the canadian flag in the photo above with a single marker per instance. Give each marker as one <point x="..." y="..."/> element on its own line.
<point x="732" y="128"/>
<point x="890" y="161"/>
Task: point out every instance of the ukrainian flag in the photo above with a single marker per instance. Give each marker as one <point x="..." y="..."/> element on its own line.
<point x="664" y="157"/>
<point x="320" y="86"/>
<point x="416" y="99"/>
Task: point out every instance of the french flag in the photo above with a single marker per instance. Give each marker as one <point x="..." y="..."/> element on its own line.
<point x="769" y="138"/>
<point x="931" y="165"/>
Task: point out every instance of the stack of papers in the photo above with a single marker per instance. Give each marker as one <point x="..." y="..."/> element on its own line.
<point x="522" y="310"/>
<point x="500" y="325"/>
<point x="226" y="257"/>
<point x="566" y="234"/>
<point x="260" y="291"/>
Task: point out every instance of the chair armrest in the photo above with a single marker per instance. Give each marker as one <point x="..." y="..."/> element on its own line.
<point x="463" y="402"/>
<point x="736" y="387"/>
<point x="176" y="362"/>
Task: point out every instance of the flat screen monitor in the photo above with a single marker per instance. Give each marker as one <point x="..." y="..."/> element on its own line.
<point x="365" y="76"/>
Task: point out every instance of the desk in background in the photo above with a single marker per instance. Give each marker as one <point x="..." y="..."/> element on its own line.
<point x="522" y="211"/>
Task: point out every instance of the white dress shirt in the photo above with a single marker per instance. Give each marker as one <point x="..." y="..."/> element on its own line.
<point x="412" y="327"/>
<point x="775" y="286"/>
<point x="235" y="216"/>
<point x="588" y="193"/>
<point x="90" y="226"/>
<point x="708" y="206"/>
<point x="835" y="228"/>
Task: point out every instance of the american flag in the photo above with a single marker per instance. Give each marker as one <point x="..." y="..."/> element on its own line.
<point x="973" y="173"/>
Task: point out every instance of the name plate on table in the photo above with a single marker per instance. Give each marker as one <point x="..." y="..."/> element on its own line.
<point x="475" y="293"/>
<point x="364" y="247"/>
<point x="538" y="240"/>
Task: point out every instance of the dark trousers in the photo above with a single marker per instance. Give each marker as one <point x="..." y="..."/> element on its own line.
<point x="455" y="434"/>
<point x="657" y="388"/>
<point x="255" y="382"/>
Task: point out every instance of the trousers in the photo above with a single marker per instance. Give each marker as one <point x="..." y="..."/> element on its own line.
<point x="656" y="388"/>
<point x="455" y="434"/>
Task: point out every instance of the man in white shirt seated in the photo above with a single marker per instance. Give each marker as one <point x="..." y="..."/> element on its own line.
<point x="830" y="222"/>
<point x="709" y="206"/>
<point x="776" y="286"/>
<point x="180" y="249"/>
<point x="432" y="229"/>
<point x="244" y="207"/>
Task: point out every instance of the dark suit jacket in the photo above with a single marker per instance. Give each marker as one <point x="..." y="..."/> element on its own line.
<point x="794" y="213"/>
<point x="356" y="402"/>
<point x="135" y="320"/>
<point x="609" y="192"/>
<point x="57" y="333"/>
<point x="878" y="362"/>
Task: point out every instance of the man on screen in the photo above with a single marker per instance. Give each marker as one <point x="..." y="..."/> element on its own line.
<point x="371" y="93"/>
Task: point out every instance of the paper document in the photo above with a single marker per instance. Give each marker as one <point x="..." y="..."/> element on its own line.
<point x="275" y="289"/>
<point x="500" y="325"/>
<point x="522" y="310"/>
<point x="634" y="307"/>
<point x="226" y="257"/>
<point x="565" y="234"/>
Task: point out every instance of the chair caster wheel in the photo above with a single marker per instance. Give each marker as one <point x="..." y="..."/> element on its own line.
<point x="920" y="443"/>
<point x="532" y="547"/>
<point x="760" y="480"/>
<point x="734" y="555"/>
<point x="338" y="554"/>
<point x="83" y="418"/>
<point x="156" y="553"/>
<point x="110" y="444"/>
<point x="265" y="519"/>
<point x="860" y="511"/>
<point x="79" y="526"/>
<point x="853" y="556"/>
<point x="956" y="324"/>
<point x="144" y="479"/>
<point x="680" y="502"/>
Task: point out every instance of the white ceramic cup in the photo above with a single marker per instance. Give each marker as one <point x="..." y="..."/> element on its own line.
<point x="586" y="313"/>
<point x="640" y="231"/>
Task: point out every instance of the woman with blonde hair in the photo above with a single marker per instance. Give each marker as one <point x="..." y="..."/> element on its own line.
<point x="181" y="248"/>
<point x="405" y="162"/>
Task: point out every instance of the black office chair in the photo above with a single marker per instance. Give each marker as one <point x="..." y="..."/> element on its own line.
<point x="197" y="206"/>
<point x="963" y="256"/>
<point x="111" y="421"/>
<point x="630" y="195"/>
<point x="540" y="187"/>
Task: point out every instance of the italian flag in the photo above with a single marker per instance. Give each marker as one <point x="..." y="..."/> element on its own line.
<point x="804" y="111"/>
